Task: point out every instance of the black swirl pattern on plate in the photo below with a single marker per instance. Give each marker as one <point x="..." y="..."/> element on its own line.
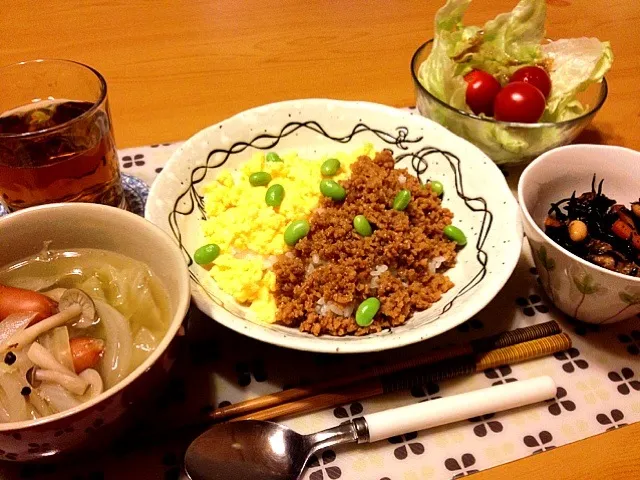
<point x="420" y="164"/>
<point x="400" y="139"/>
<point x="265" y="141"/>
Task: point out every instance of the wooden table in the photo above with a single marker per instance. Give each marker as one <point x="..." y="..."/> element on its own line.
<point x="173" y="69"/>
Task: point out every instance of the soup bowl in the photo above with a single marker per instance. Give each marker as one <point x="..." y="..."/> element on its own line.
<point x="80" y="225"/>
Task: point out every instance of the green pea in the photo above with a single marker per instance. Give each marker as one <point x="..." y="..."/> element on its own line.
<point x="330" y="167"/>
<point x="402" y="200"/>
<point x="259" y="179"/>
<point x="333" y="190"/>
<point x="455" y="234"/>
<point x="362" y="225"/>
<point x="274" y="195"/>
<point x="207" y="254"/>
<point x="273" y="157"/>
<point x="436" y="187"/>
<point x="296" y="230"/>
<point x="366" y="311"/>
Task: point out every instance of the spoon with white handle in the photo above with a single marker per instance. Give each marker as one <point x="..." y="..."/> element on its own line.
<point x="269" y="451"/>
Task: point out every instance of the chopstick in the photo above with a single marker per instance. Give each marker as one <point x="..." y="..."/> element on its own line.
<point x="507" y="347"/>
<point x="475" y="347"/>
<point x="417" y="376"/>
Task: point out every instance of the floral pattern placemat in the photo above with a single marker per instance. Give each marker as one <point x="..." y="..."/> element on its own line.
<point x="598" y="390"/>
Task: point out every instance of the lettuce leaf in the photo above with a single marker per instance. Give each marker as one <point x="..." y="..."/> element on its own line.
<point x="509" y="41"/>
<point x="515" y="37"/>
<point x="575" y="64"/>
<point x="438" y="73"/>
<point x="504" y="44"/>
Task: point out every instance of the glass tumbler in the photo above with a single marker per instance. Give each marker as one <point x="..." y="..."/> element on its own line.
<point x="56" y="139"/>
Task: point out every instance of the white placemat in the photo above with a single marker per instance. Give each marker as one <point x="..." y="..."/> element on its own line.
<point x="598" y="380"/>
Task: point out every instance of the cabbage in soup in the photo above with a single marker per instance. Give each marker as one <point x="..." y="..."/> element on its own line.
<point x="73" y="324"/>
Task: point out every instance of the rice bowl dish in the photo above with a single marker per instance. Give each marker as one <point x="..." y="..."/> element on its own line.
<point x="475" y="192"/>
<point x="373" y="251"/>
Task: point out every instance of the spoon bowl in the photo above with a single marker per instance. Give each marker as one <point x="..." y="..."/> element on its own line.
<point x="249" y="449"/>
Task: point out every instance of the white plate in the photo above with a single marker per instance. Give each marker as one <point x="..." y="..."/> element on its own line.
<point x="475" y="190"/>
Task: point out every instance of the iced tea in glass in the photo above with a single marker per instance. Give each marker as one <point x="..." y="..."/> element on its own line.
<point x="56" y="140"/>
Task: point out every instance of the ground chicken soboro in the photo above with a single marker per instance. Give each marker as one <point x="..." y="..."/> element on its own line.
<point x="320" y="283"/>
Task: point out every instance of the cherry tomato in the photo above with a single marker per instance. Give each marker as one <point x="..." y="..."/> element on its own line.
<point x="519" y="102"/>
<point x="535" y="76"/>
<point x="482" y="89"/>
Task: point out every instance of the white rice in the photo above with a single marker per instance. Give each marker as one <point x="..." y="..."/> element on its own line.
<point x="269" y="261"/>
<point x="379" y="270"/>
<point x="315" y="262"/>
<point x="323" y="308"/>
<point x="320" y="306"/>
<point x="348" y="310"/>
<point x="310" y="268"/>
<point x="434" y="264"/>
<point x="246" y="254"/>
<point x="236" y="176"/>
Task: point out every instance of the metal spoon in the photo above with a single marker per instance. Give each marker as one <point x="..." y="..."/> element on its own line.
<point x="268" y="451"/>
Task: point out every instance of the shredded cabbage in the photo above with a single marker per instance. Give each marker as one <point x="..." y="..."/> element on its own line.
<point x="144" y="343"/>
<point x="129" y="291"/>
<point x="118" y="349"/>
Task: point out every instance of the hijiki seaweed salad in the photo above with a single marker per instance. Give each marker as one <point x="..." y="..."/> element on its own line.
<point x="345" y="244"/>
<point x="597" y="229"/>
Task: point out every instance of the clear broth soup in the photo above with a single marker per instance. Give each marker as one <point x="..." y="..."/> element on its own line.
<point x="75" y="360"/>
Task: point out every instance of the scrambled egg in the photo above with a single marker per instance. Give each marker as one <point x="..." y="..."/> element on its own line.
<point x="250" y="233"/>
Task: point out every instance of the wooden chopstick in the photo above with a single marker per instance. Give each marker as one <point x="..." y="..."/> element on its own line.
<point x="415" y="376"/>
<point x="486" y="344"/>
